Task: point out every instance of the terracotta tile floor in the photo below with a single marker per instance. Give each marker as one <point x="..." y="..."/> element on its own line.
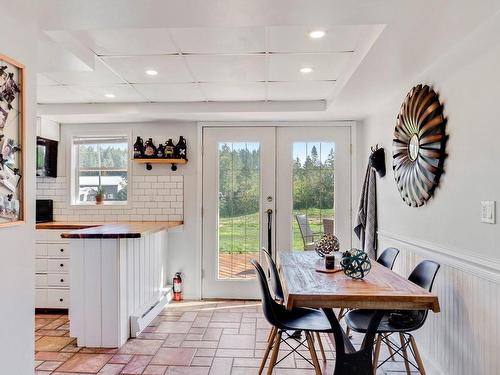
<point x="188" y="338"/>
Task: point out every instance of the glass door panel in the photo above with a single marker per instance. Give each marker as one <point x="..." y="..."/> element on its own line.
<point x="238" y="172"/>
<point x="313" y="179"/>
<point x="239" y="206"/>
<point x="312" y="188"/>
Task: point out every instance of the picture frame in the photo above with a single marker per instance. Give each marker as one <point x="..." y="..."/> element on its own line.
<point x="12" y="141"/>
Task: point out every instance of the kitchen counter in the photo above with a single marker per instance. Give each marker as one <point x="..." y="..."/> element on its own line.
<point x="121" y="230"/>
<point x="68" y="225"/>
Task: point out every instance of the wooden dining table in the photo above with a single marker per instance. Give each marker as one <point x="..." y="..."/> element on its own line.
<point x="382" y="289"/>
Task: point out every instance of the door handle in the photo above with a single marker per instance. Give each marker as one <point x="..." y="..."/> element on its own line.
<point x="269" y="212"/>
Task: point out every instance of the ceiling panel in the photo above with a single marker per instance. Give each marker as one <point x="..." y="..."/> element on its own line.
<point x="122" y="93"/>
<point x="305" y="90"/>
<point x="286" y="67"/>
<point x="217" y="91"/>
<point x="296" y="38"/>
<point x="127" y="42"/>
<point x="228" y="68"/>
<point x="171" y="92"/>
<point x="43" y="80"/>
<point x="61" y="94"/>
<point x="220" y="40"/>
<point x="101" y="75"/>
<point x="132" y="69"/>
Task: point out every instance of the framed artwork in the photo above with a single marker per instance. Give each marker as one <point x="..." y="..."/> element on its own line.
<point x="12" y="132"/>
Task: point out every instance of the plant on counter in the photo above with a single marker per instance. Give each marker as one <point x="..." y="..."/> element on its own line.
<point x="100" y="194"/>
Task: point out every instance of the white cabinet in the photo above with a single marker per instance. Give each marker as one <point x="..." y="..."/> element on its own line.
<point x="51" y="270"/>
<point x="48" y="129"/>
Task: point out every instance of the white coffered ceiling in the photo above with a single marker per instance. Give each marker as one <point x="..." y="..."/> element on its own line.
<point x="238" y="59"/>
<point x="207" y="64"/>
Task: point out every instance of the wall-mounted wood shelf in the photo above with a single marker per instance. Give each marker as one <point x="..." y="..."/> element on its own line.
<point x="149" y="162"/>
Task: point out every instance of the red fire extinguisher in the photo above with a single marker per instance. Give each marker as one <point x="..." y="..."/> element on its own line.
<point x="177" y="287"/>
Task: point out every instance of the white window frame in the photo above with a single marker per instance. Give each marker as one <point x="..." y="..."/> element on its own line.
<point x="74" y="170"/>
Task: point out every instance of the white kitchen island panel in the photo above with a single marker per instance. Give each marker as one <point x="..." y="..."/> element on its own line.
<point x="116" y="284"/>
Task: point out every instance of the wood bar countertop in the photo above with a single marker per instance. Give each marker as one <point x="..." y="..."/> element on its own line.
<point x="130" y="229"/>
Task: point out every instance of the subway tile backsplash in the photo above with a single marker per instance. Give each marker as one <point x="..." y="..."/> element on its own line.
<point x="153" y="198"/>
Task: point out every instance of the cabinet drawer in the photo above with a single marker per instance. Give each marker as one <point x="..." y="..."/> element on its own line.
<point x="58" y="265"/>
<point x="58" y="250"/>
<point x="50" y="235"/>
<point x="41" y="265"/>
<point x="41" y="249"/>
<point x="58" y="298"/>
<point x="41" y="298"/>
<point x="41" y="235"/>
<point x="58" y="279"/>
<point x="55" y="235"/>
<point x="40" y="280"/>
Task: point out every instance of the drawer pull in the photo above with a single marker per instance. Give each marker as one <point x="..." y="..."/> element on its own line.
<point x="62" y="280"/>
<point x="62" y="265"/>
<point x="61" y="299"/>
<point x="62" y="250"/>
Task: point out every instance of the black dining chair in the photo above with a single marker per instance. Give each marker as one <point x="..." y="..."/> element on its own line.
<point x="279" y="296"/>
<point x="348" y="360"/>
<point x="386" y="259"/>
<point x="283" y="320"/>
<point x="398" y="322"/>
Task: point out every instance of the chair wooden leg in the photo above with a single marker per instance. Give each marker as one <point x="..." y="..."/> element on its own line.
<point x="376" y="353"/>
<point x="270" y="342"/>
<point x="276" y="349"/>
<point x="389" y="347"/>
<point x="314" y="357"/>
<point x="321" y="349"/>
<point x="405" y="354"/>
<point x="271" y="334"/>
<point x="420" y="363"/>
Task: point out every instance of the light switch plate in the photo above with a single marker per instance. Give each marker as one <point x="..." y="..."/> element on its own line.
<point x="488" y="212"/>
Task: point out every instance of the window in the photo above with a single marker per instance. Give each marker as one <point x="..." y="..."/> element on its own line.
<point x="100" y="162"/>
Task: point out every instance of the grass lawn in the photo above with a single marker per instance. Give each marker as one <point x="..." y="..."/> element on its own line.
<point x="241" y="234"/>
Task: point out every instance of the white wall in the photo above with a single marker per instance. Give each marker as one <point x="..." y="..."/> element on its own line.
<point x="448" y="227"/>
<point x="17" y="243"/>
<point x="184" y="252"/>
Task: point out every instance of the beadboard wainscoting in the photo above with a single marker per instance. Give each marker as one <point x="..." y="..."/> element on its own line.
<point x="153" y="198"/>
<point x="463" y="337"/>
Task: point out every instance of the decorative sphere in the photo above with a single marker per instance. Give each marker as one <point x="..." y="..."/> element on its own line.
<point x="356" y="263"/>
<point x="327" y="244"/>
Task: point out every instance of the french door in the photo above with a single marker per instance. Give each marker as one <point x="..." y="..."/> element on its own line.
<point x="255" y="181"/>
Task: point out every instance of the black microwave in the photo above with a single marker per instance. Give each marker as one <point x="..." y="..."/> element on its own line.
<point x="46" y="157"/>
<point x="44" y="210"/>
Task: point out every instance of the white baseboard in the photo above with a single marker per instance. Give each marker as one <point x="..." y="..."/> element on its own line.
<point x="138" y="323"/>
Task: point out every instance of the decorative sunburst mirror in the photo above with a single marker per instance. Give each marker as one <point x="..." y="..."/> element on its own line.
<point x="419" y="145"/>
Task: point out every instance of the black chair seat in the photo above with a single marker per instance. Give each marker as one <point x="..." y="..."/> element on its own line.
<point x="302" y="319"/>
<point x="358" y="320"/>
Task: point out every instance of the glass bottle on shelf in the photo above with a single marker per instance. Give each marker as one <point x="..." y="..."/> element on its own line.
<point x="149" y="149"/>
<point x="181" y="149"/>
<point x="161" y="151"/>
<point x="138" y="148"/>
<point x="169" y="149"/>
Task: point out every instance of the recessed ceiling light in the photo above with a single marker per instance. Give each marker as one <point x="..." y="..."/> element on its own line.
<point x="151" y="72"/>
<point x="110" y="96"/>
<point x="317" y="34"/>
<point x="306" y="70"/>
